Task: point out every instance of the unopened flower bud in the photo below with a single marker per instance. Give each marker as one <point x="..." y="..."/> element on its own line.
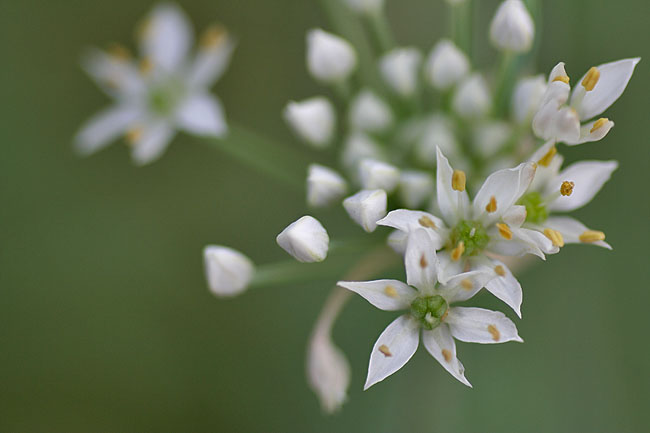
<point x="512" y="28"/>
<point x="527" y="98"/>
<point x="227" y="271"/>
<point x="329" y="58"/>
<point x="368" y="112"/>
<point x="367" y="207"/>
<point x="324" y="186"/>
<point x="328" y="372"/>
<point x="313" y="120"/>
<point x="378" y="175"/>
<point x="415" y="187"/>
<point x="399" y="68"/>
<point x="358" y="147"/>
<point x="305" y="239"/>
<point x="437" y="133"/>
<point x="447" y="65"/>
<point x="472" y="98"/>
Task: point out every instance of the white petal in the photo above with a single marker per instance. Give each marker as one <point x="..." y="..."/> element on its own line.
<point x="571" y="230"/>
<point x="465" y="285"/>
<point x="409" y="220"/>
<point x="420" y="260"/>
<point x="328" y="372"/>
<point x="477" y="325"/>
<point x="368" y="112"/>
<point x="116" y="75"/>
<point x="387" y="295"/>
<point x="106" y="126"/>
<point x="329" y="57"/>
<point x="313" y="120"/>
<point x="399" y="68"/>
<point x="566" y="125"/>
<point x="588" y="178"/>
<point x="394" y="347"/>
<point x="367" y="207"/>
<point x="505" y="287"/>
<point x="228" y="271"/>
<point x="166" y="36"/>
<point x="376" y="174"/>
<point x="588" y="133"/>
<point x="305" y="239"/>
<point x="515" y="216"/>
<point x="152" y="141"/>
<point x="454" y="205"/>
<point x="613" y="80"/>
<point x="440" y="344"/>
<point x="446" y="65"/>
<point x="524" y="241"/>
<point x="202" y="114"/>
<point x="211" y="60"/>
<point x="324" y="186"/>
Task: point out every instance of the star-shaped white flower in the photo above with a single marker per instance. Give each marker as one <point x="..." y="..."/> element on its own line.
<point x="429" y="313"/>
<point x="165" y="91"/>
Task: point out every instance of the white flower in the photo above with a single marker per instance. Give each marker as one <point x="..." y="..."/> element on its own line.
<point x="313" y="120"/>
<point x="368" y="112"/>
<point x="378" y="175"/>
<point x="446" y="65"/>
<point x="599" y="88"/>
<point x="324" y="186"/>
<point x="167" y="91"/>
<point x="328" y="372"/>
<point x="430" y="313"/>
<point x="365" y="6"/>
<point x="472" y="98"/>
<point x="437" y="132"/>
<point x="512" y="28"/>
<point x="305" y="239"/>
<point x="415" y="188"/>
<point x="227" y="271"/>
<point x="399" y="68"/>
<point x="367" y="207"/>
<point x="357" y="147"/>
<point x="330" y="59"/>
<point x="526" y="97"/>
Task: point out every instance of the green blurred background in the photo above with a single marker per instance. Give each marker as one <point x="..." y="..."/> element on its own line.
<point x="106" y="324"/>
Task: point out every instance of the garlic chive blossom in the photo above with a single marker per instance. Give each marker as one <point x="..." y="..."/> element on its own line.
<point x="165" y="91"/>
<point x="305" y="239"/>
<point x="228" y="271"/>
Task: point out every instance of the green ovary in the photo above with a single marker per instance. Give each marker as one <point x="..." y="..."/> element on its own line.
<point x="472" y="234"/>
<point x="429" y="310"/>
<point x="164" y="98"/>
<point x="536" y="211"/>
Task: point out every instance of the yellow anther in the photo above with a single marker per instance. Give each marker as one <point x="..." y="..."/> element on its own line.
<point x="504" y="230"/>
<point x="390" y="291"/>
<point x="423" y="262"/>
<point x="213" y="36"/>
<point x="133" y="135"/>
<point x="384" y="349"/>
<point x="555" y="237"/>
<point x="119" y="52"/>
<point x="500" y="270"/>
<point x="425" y="221"/>
<point x="467" y="284"/>
<point x="458" y="251"/>
<point x="592" y="236"/>
<point x="492" y="205"/>
<point x="566" y="189"/>
<point x="446" y="354"/>
<point x="563" y="78"/>
<point x="146" y="66"/>
<point x="546" y="159"/>
<point x="599" y="124"/>
<point x="458" y="180"/>
<point x="444" y="316"/>
<point x="591" y="79"/>
<point x="496" y="335"/>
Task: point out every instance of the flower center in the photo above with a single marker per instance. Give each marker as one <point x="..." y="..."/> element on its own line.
<point x="164" y="97"/>
<point x="429" y="310"/>
<point x="473" y="236"/>
<point x="536" y="211"/>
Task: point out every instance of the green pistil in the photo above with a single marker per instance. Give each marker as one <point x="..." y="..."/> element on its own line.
<point x="472" y="234"/>
<point x="536" y="211"/>
<point x="429" y="310"/>
<point x="163" y="98"/>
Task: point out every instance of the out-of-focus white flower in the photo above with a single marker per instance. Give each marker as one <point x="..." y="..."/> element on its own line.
<point x="415" y="188"/>
<point x="227" y="271"/>
<point x="526" y="98"/>
<point x="375" y="174"/>
<point x="599" y="88"/>
<point x="165" y="91"/>
<point x="367" y="207"/>
<point x="437" y="132"/>
<point x="399" y="68"/>
<point x="368" y="112"/>
<point x="324" y="186"/>
<point x="357" y="147"/>
<point x="446" y="65"/>
<point x="369" y="7"/>
<point x="489" y="137"/>
<point x="512" y="28"/>
<point x="330" y="58"/>
<point x="313" y="120"/>
<point x="328" y="372"/>
<point x="472" y="98"/>
<point x="305" y="239"/>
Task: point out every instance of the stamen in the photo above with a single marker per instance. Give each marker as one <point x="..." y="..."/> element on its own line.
<point x="390" y="291"/>
<point x="458" y="251"/>
<point x="429" y="318"/>
<point x="458" y="180"/>
<point x="446" y="354"/>
<point x="213" y="36"/>
<point x="563" y="78"/>
<point x="566" y="189"/>
<point x="496" y="335"/>
<point x="444" y="316"/>
<point x="546" y="159"/>
<point x="133" y="135"/>
<point x="119" y="52"/>
<point x="500" y="270"/>
<point x="590" y="236"/>
<point x="504" y="230"/>
<point x="384" y="349"/>
<point x="492" y="205"/>
<point x="599" y="124"/>
<point x="554" y="236"/>
<point x="146" y="66"/>
<point x="425" y="221"/>
<point x="591" y="79"/>
<point x="423" y="262"/>
<point x="467" y="284"/>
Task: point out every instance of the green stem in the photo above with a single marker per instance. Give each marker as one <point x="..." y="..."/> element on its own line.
<point x="381" y="30"/>
<point x="504" y="82"/>
<point x="460" y="26"/>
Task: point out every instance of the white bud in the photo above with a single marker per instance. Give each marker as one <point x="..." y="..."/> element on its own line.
<point x="328" y="372"/>
<point x="375" y="174"/>
<point x="438" y="132"/>
<point x="399" y="68"/>
<point x="305" y="239"/>
<point x="368" y="112"/>
<point x="227" y="271"/>
<point x="324" y="186"/>
<point x="367" y="207"/>
<point x="329" y="58"/>
<point x="365" y="6"/>
<point x="357" y="147"/>
<point x="489" y="137"/>
<point x="527" y="97"/>
<point x="415" y="187"/>
<point x="512" y="28"/>
<point x="447" y="65"/>
<point x="398" y="240"/>
<point x="472" y="98"/>
<point x="313" y="120"/>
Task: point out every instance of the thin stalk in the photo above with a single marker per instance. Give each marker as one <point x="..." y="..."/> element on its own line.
<point x="504" y="82"/>
<point x="381" y="31"/>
